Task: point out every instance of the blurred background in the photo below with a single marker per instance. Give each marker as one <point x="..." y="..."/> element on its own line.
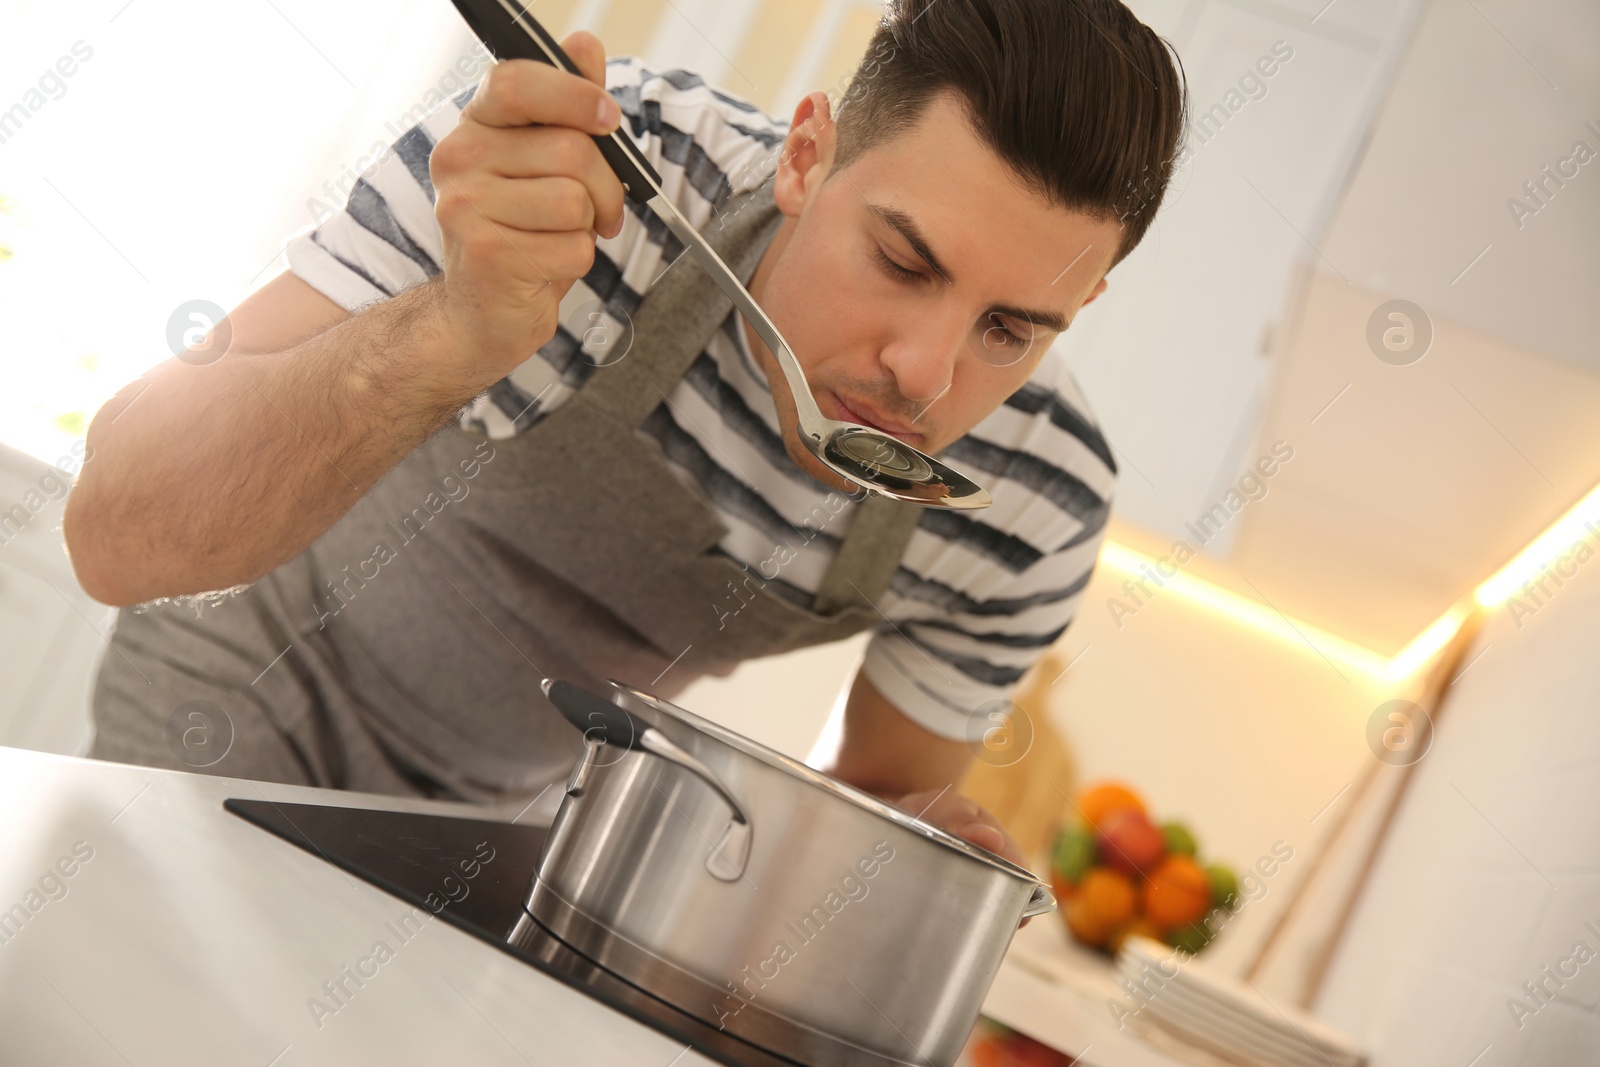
<point x="1378" y="266"/>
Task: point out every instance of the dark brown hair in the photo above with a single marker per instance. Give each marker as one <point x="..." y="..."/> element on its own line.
<point x="1082" y="101"/>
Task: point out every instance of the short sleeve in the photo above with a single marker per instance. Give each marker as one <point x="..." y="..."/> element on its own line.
<point x="946" y="674"/>
<point x="384" y="238"/>
<point x="981" y="596"/>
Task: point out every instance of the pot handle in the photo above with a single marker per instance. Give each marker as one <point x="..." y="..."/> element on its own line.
<point x="1042" y="902"/>
<point x="603" y="722"/>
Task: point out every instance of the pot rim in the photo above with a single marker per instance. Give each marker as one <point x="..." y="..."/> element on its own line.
<point x="815" y="778"/>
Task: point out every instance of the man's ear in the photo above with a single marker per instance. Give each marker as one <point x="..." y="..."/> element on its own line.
<point x="1099" y="287"/>
<point x="807" y="153"/>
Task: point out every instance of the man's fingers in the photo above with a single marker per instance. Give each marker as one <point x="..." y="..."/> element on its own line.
<point x="982" y="834"/>
<point x="542" y="152"/>
<point x="589" y="54"/>
<point x="522" y="92"/>
<point x="549" y="204"/>
<point x="585" y="49"/>
<point x="943" y="809"/>
<point x="964" y="818"/>
<point x="971" y="823"/>
<point x="522" y="189"/>
<point x="547" y="107"/>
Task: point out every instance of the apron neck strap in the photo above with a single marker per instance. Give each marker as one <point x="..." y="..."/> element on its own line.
<point x="869" y="556"/>
<point x="682" y="311"/>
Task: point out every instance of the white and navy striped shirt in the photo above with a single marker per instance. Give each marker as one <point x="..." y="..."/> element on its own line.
<point x="978" y="596"/>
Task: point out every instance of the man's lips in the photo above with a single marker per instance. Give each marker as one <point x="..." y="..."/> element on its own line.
<point x="865" y="416"/>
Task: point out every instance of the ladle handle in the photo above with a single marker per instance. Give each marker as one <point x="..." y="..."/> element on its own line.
<point x="510" y="32"/>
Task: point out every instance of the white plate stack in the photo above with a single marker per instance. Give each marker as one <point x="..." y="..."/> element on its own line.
<point x="1227" y="1018"/>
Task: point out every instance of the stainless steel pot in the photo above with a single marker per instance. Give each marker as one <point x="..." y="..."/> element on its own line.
<point x="781" y="905"/>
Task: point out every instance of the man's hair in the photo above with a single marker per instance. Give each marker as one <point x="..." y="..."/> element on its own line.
<point x="1080" y="99"/>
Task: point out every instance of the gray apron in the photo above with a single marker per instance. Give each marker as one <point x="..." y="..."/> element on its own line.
<point x="410" y="639"/>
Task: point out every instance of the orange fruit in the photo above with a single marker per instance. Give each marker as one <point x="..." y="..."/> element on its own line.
<point x="1084" y="924"/>
<point x="1177" y="893"/>
<point x="1103" y="902"/>
<point x="988" y="1051"/>
<point x="1103" y="798"/>
<point x="1110" y="893"/>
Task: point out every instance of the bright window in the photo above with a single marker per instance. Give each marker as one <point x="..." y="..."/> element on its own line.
<point x="154" y="152"/>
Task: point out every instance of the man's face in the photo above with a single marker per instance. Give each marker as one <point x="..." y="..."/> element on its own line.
<point x="921" y="285"/>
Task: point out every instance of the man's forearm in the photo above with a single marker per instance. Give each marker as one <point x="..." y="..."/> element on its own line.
<point x="884" y="753"/>
<point x="205" y="477"/>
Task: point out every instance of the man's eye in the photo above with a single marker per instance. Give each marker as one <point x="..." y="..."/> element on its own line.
<point x="895" y="270"/>
<point x="1000" y="334"/>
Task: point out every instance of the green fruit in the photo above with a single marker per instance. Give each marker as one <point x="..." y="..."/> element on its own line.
<point x="1191" y="938"/>
<point x="1180" y="839"/>
<point x="1074" y="854"/>
<point x="1224" y="885"/>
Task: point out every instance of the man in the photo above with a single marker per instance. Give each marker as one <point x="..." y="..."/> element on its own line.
<point x="458" y="447"/>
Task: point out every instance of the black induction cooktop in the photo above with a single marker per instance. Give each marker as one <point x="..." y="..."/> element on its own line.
<point x="474" y="874"/>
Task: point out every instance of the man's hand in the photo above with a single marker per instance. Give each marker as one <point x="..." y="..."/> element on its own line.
<point x="889" y="756"/>
<point x="955" y="814"/>
<point x="521" y="193"/>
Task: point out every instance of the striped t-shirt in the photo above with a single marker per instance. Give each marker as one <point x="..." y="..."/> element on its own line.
<point x="978" y="596"/>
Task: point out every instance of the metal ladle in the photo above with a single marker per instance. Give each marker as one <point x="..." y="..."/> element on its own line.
<point x="870" y="458"/>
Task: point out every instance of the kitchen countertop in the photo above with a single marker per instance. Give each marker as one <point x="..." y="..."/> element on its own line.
<point x="162" y="929"/>
<point x="189" y="936"/>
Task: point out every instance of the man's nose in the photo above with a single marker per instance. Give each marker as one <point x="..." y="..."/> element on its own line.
<point x="922" y="356"/>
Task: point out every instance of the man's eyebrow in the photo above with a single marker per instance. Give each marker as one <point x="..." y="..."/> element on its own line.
<point x="907" y="228"/>
<point x="1053" y="321"/>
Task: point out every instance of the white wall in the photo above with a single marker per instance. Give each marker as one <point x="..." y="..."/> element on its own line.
<point x="1492" y="91"/>
<point x="1412" y="483"/>
<point x="1175" y="356"/>
<point x="1419" y="481"/>
<point x="1492" y="868"/>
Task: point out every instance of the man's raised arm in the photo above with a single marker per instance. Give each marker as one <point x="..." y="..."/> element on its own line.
<point x="204" y="477"/>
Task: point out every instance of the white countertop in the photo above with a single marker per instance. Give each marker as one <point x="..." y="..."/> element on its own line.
<point x="190" y="936"/>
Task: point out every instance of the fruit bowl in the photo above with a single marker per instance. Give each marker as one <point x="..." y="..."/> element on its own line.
<point x="1116" y="873"/>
